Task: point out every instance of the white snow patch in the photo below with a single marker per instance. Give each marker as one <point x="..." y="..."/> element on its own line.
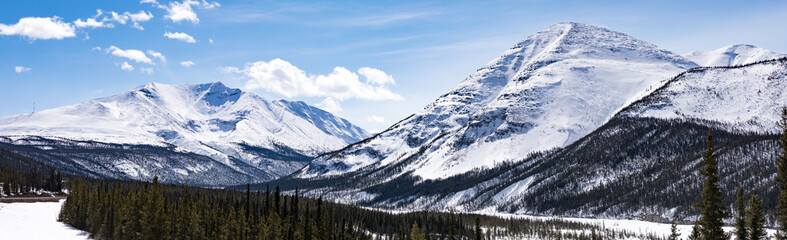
<point x="35" y="221"/>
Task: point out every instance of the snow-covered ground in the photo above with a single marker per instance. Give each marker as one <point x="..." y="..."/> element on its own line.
<point x="35" y="221"/>
<point x="636" y="226"/>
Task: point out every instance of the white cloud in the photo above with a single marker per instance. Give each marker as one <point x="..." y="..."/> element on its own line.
<point x="376" y="76"/>
<point x="137" y="26"/>
<point x="282" y="77"/>
<point x="210" y="40"/>
<point x="132" y="54"/>
<point x="21" y="69"/>
<point x="146" y="70"/>
<point x="183" y="11"/>
<point x="330" y="105"/>
<point x="148" y="1"/>
<point x="39" y="28"/>
<point x="141" y="16"/>
<point x="123" y="18"/>
<point x="158" y="55"/>
<point x="375" y="119"/>
<point x="187" y="63"/>
<point x="126" y="66"/>
<point x="180" y="36"/>
<point x="92" y="23"/>
<point x="116" y="17"/>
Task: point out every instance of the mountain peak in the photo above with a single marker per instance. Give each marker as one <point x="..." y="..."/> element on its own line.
<point x="547" y="91"/>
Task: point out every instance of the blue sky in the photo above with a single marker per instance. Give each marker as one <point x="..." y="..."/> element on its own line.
<point x="373" y="62"/>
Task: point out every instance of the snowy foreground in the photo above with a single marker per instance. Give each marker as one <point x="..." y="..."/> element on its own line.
<point x="636" y="226"/>
<point x="39" y="221"/>
<point x="35" y="221"/>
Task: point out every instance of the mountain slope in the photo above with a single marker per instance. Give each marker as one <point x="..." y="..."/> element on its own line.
<point x="641" y="164"/>
<point x="546" y="92"/>
<point x="645" y="160"/>
<point x="733" y="55"/>
<point x="212" y="120"/>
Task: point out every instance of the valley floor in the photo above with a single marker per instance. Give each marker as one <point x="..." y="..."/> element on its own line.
<point x="35" y="221"/>
<point x="635" y="226"/>
<point x="39" y="221"/>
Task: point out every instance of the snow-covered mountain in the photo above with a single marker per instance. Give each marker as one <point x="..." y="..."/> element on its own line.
<point x="651" y="150"/>
<point x="747" y="98"/>
<point x="546" y="92"/>
<point x="212" y="120"/>
<point x="575" y="120"/>
<point x="733" y="55"/>
<point x="642" y="163"/>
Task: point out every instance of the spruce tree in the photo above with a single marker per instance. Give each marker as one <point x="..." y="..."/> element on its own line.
<point x="741" y="233"/>
<point x="756" y="219"/>
<point x="712" y="205"/>
<point x="277" y="200"/>
<point x="674" y="235"/>
<point x="696" y="233"/>
<point x="781" y="178"/>
<point x="416" y="234"/>
<point x="478" y="234"/>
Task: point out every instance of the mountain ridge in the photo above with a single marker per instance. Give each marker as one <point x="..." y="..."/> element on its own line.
<point x="210" y="119"/>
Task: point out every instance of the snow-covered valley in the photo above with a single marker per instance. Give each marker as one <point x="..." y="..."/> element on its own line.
<point x="35" y="221"/>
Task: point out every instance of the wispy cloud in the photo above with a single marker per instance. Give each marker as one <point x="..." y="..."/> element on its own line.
<point x="187" y="63"/>
<point x="314" y="14"/>
<point x="21" y="69"/>
<point x="180" y="36"/>
<point x="127" y="67"/>
<point x="92" y="23"/>
<point x="123" y="18"/>
<point x="379" y="20"/>
<point x="183" y="11"/>
<point x="375" y="119"/>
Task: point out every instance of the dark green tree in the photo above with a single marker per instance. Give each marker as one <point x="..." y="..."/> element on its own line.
<point x="712" y="208"/>
<point x="674" y="235"/>
<point x="781" y="178"/>
<point x="741" y="233"/>
<point x="478" y="234"/>
<point x="696" y="232"/>
<point x="756" y="219"/>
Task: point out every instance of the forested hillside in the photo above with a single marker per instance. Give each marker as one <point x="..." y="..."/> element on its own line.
<point x="134" y="210"/>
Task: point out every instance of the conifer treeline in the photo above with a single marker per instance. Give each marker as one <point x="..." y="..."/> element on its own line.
<point x="110" y="209"/>
<point x="750" y="218"/>
<point x="23" y="181"/>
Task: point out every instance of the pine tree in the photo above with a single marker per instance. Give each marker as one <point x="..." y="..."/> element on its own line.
<point x="696" y="233"/>
<point x="741" y="233"/>
<point x="277" y="200"/>
<point x="674" y="231"/>
<point x="307" y="225"/>
<point x="756" y="219"/>
<point x="478" y="234"/>
<point x="712" y="206"/>
<point x="781" y="178"/>
<point x="416" y="234"/>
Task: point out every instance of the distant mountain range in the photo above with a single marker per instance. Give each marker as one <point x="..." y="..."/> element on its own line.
<point x="205" y="134"/>
<point x="575" y="120"/>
